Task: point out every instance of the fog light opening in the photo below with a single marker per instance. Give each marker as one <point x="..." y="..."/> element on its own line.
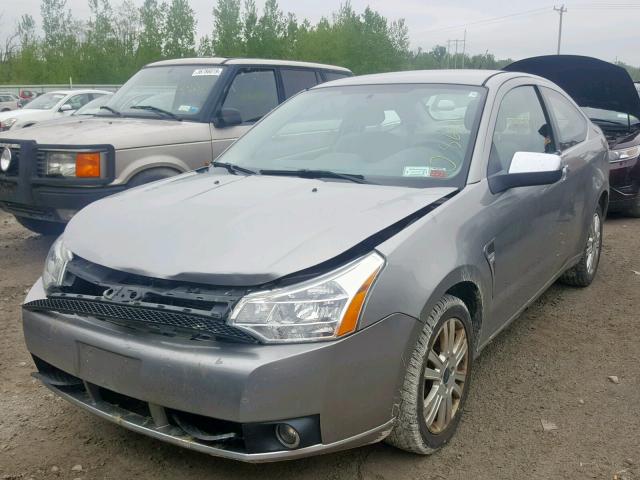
<point x="287" y="435"/>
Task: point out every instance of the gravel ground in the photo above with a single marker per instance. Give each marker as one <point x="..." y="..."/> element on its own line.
<point x="551" y="365"/>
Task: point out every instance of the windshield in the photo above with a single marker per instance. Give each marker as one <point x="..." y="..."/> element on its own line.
<point x="388" y="134"/>
<point x="45" y="102"/>
<point x="180" y="90"/>
<point x="93" y="107"/>
<point x="609" y="116"/>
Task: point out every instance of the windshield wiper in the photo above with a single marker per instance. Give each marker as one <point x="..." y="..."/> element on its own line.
<point x="235" y="169"/>
<point x="161" y="111"/>
<point x="112" y="110"/>
<point x="304" y="173"/>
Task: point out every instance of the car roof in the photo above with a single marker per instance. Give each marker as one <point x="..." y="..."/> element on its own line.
<point x="245" y="61"/>
<point x="461" y="77"/>
<point x="75" y="92"/>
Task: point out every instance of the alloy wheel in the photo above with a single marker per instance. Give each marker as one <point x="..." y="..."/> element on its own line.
<point x="445" y="375"/>
<point x="593" y="244"/>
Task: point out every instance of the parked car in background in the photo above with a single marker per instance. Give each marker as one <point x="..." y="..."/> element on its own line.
<point x="329" y="281"/>
<point x="170" y="117"/>
<point x="88" y="110"/>
<point x="25" y="96"/>
<point x="8" y="101"/>
<point x="47" y="106"/>
<point x="608" y="96"/>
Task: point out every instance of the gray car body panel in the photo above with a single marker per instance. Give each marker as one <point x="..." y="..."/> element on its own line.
<point x="250" y="230"/>
<point x="275" y="226"/>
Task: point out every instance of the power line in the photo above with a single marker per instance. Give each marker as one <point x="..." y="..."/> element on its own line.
<point x="489" y="20"/>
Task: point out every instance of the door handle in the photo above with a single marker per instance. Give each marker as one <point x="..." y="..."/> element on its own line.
<point x="565" y="172"/>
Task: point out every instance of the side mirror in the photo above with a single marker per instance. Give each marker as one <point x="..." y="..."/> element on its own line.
<point x="528" y="169"/>
<point x="227" y="117"/>
<point x="66" y="108"/>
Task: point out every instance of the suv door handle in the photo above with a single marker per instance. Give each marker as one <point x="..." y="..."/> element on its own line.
<point x="565" y="172"/>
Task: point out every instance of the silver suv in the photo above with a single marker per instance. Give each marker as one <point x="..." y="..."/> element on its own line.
<point x="171" y="117"/>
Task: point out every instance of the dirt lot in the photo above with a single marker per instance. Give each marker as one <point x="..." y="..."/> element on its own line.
<point x="552" y="364"/>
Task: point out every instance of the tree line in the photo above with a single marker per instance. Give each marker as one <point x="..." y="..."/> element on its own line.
<point x="118" y="39"/>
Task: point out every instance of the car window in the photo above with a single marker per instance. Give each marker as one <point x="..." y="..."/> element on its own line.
<point x="93" y="107"/>
<point x="46" y="101"/>
<point x="571" y="124"/>
<point x="382" y="132"/>
<point x="294" y="81"/>
<point x="4" y="99"/>
<point x="253" y="93"/>
<point x="77" y="101"/>
<point x="521" y="126"/>
<point x="328" y="76"/>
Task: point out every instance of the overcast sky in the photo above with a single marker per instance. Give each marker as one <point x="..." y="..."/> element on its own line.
<point x="608" y="30"/>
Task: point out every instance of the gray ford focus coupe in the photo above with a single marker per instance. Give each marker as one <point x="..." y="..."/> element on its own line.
<point x="328" y="282"/>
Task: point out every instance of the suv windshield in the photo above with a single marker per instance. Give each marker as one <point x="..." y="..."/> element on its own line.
<point x="45" y="102"/>
<point x="384" y="134"/>
<point x="179" y="90"/>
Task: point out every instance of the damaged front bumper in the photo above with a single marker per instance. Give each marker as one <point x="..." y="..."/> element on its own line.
<point x="225" y="398"/>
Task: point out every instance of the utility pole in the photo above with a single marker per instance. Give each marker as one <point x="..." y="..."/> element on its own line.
<point x="456" y="41"/>
<point x="464" y="46"/>
<point x="562" y="10"/>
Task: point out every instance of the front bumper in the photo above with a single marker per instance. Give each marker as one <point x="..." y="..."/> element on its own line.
<point x="350" y="385"/>
<point x="25" y="192"/>
<point x="624" y="181"/>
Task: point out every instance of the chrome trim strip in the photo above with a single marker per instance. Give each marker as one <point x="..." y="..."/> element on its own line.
<point x="174" y="435"/>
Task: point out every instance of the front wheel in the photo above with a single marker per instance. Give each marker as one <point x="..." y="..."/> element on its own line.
<point x="436" y="380"/>
<point x="583" y="272"/>
<point x="41" y="226"/>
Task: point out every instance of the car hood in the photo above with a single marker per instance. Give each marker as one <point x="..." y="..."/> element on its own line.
<point x="122" y="133"/>
<point x="590" y="82"/>
<point x="235" y="230"/>
<point x="26" y="114"/>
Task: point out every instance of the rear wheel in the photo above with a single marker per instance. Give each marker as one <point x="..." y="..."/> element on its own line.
<point x="436" y="381"/>
<point x="583" y="273"/>
<point x="41" y="226"/>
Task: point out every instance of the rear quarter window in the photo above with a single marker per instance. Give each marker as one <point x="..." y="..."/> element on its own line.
<point x="296" y="80"/>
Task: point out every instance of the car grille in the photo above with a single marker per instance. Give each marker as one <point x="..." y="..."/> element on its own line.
<point x="130" y="314"/>
<point x="41" y="164"/>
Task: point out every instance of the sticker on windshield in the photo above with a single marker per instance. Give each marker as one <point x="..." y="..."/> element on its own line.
<point x="416" y="172"/>
<point x="202" y="72"/>
<point x="188" y="109"/>
<point x="473" y="94"/>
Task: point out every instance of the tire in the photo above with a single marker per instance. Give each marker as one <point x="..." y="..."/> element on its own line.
<point x="583" y="272"/>
<point x="41" y="226"/>
<point x="151" y="175"/>
<point x="412" y="431"/>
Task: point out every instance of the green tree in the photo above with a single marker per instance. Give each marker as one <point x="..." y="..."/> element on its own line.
<point x="227" y="29"/>
<point x="152" y="19"/>
<point x="180" y="30"/>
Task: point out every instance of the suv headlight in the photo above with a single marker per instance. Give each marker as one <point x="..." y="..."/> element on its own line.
<point x="324" y="308"/>
<point x="74" y="164"/>
<point x="55" y="266"/>
<point x="618" y="155"/>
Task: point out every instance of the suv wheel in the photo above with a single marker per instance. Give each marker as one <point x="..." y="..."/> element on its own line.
<point x="583" y="273"/>
<point x="436" y="381"/>
<point x="41" y="226"/>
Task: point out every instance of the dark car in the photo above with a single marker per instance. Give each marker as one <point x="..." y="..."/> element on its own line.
<point x="610" y="99"/>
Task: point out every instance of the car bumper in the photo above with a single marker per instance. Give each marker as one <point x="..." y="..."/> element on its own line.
<point x="624" y="180"/>
<point x="350" y="386"/>
<point x="25" y="191"/>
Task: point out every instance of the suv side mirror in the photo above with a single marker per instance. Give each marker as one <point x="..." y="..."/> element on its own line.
<point x="66" y="108"/>
<point x="227" y="117"/>
<point x="528" y="169"/>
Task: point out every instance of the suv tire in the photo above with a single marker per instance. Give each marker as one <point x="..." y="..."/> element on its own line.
<point x="583" y="272"/>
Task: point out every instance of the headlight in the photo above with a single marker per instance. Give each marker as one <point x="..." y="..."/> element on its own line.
<point x="324" y="308"/>
<point x="624" y="153"/>
<point x="5" y="159"/>
<point x="55" y="265"/>
<point x="74" y="164"/>
<point x="8" y="123"/>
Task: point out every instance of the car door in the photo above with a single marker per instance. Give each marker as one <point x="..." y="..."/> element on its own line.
<point x="525" y="251"/>
<point x="570" y="129"/>
<point x="253" y="92"/>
